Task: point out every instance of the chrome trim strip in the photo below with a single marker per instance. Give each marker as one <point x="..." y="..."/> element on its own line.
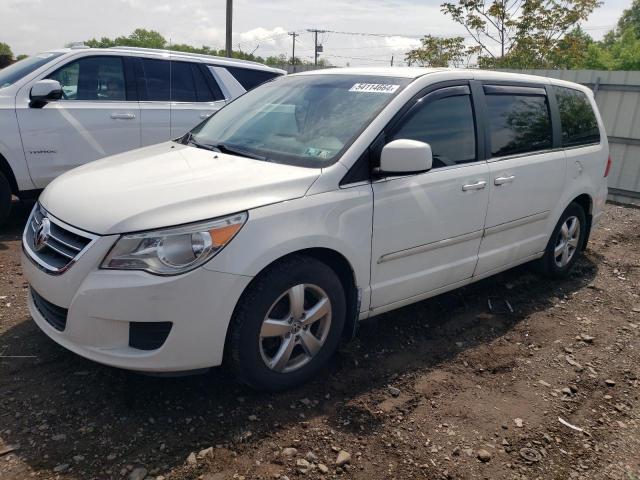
<point x="66" y="244"/>
<point x="57" y="250"/>
<point x="41" y="264"/>
<point x="447" y="242"/>
<point x="516" y="223"/>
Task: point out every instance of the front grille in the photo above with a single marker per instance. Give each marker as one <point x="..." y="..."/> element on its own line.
<point x="54" y="315"/>
<point x="53" y="244"/>
<point x="148" y="335"/>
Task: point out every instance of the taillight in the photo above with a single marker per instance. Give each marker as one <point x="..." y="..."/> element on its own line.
<point x="606" y="170"/>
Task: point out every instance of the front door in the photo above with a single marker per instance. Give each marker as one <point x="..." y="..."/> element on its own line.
<point x="527" y="175"/>
<point x="427" y="227"/>
<point x="95" y="118"/>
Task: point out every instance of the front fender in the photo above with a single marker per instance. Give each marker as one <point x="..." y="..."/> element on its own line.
<point x="340" y="220"/>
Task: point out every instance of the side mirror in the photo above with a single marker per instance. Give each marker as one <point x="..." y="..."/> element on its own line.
<point x="403" y="157"/>
<point x="43" y="92"/>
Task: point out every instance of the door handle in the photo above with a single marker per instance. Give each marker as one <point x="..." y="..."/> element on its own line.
<point x="123" y="116"/>
<point x="503" y="180"/>
<point x="205" y="115"/>
<point x="479" y="185"/>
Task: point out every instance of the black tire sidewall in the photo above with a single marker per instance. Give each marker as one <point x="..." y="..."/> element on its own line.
<point x="255" y="304"/>
<point x="5" y="199"/>
<point x="550" y="265"/>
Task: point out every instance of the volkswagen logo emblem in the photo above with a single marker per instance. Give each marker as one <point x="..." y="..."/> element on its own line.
<point x="42" y="235"/>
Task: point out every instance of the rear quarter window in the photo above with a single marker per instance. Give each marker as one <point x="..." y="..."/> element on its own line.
<point x="250" y="79"/>
<point x="577" y="118"/>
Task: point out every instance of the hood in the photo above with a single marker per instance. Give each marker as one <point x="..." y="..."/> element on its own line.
<point x="168" y="184"/>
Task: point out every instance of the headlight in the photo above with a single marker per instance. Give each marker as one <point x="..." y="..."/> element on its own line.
<point x="176" y="250"/>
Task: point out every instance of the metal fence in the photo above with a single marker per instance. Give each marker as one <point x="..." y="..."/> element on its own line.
<point x="618" y="98"/>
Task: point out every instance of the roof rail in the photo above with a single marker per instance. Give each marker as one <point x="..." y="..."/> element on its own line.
<point x="186" y="54"/>
<point x="78" y="45"/>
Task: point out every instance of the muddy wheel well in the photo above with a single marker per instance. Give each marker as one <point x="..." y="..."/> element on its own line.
<point x="5" y="169"/>
<point x="586" y="203"/>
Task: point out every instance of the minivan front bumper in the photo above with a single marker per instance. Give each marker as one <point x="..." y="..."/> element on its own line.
<point x="174" y="323"/>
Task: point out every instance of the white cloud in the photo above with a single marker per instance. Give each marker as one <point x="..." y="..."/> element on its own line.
<point x="29" y="26"/>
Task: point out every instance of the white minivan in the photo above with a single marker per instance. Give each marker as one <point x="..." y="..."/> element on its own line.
<point x="314" y="201"/>
<point x="67" y="107"/>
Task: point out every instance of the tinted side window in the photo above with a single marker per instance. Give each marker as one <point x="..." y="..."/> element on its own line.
<point x="92" y="78"/>
<point x="156" y="74"/>
<point x="518" y="124"/>
<point x="447" y="125"/>
<point x="203" y="92"/>
<point x="579" y="124"/>
<point x="183" y="88"/>
<point x="250" y="78"/>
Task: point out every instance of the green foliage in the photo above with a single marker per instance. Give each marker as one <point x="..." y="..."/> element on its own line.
<point x="527" y="32"/>
<point x="630" y="17"/>
<point x="5" y="50"/>
<point x="441" y="52"/>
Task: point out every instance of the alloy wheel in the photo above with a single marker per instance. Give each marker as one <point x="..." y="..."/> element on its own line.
<point x="295" y="328"/>
<point x="567" y="241"/>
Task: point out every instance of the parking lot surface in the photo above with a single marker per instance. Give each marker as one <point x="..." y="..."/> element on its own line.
<point x="457" y="386"/>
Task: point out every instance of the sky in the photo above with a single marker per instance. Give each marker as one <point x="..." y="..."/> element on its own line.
<point x="260" y="26"/>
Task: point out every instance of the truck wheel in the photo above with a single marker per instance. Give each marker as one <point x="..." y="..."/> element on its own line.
<point x="565" y="244"/>
<point x="5" y="199"/>
<point x="287" y="324"/>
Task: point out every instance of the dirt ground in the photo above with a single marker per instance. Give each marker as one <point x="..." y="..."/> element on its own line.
<point x="446" y="388"/>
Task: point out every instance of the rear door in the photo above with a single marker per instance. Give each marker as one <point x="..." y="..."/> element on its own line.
<point x="194" y="97"/>
<point x="97" y="116"/>
<point x="527" y="170"/>
<point x="427" y="227"/>
<point x="174" y="97"/>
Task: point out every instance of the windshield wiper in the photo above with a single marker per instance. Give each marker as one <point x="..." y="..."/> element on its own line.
<point x="226" y="148"/>
<point x="188" y="139"/>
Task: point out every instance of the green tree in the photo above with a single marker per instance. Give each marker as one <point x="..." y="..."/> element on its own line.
<point x="571" y="51"/>
<point x="518" y="33"/>
<point x="441" y="52"/>
<point x="139" y="38"/>
<point x="6" y="55"/>
<point x="630" y="17"/>
<point x="5" y="50"/>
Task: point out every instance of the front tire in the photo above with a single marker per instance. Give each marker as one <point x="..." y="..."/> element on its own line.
<point x="287" y="324"/>
<point x="5" y="199"/>
<point x="566" y="243"/>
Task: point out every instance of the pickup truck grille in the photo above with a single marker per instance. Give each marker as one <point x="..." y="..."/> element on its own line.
<point x="53" y="245"/>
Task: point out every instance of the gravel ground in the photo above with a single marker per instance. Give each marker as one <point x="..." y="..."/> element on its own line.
<point x="446" y="388"/>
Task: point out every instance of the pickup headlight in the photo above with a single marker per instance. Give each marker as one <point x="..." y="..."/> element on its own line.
<point x="176" y="250"/>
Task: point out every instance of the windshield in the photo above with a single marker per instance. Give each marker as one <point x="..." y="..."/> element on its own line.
<point x="306" y="120"/>
<point x="11" y="74"/>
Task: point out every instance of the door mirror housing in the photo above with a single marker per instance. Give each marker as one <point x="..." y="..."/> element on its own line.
<point x="43" y="92"/>
<point x="403" y="157"/>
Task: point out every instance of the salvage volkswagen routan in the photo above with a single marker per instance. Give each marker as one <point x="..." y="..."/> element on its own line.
<point x="265" y="234"/>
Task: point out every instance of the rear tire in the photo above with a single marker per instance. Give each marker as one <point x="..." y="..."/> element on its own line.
<point x="287" y="324"/>
<point x="5" y="199"/>
<point x="566" y="243"/>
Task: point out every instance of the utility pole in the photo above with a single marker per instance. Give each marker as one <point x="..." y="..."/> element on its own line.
<point x="293" y="50"/>
<point x="392" y="60"/>
<point x="318" y="48"/>
<point x="229" y="28"/>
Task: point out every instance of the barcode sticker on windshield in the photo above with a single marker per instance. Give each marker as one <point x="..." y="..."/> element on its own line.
<point x="374" y="88"/>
